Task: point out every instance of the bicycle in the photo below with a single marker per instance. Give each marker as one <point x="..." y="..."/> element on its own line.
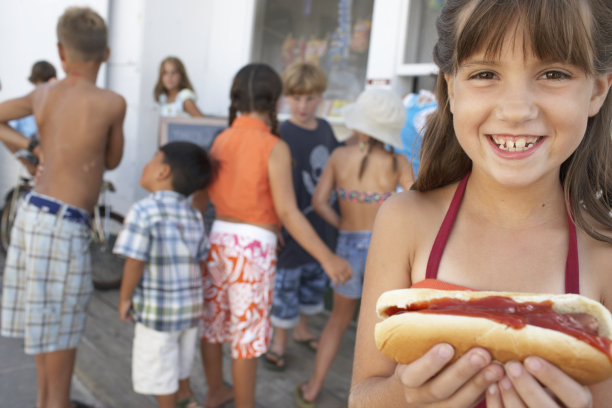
<point x="107" y="268"/>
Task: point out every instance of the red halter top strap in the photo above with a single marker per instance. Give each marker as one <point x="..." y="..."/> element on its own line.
<point x="572" y="276"/>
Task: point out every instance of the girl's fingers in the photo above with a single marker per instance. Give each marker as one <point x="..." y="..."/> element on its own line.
<point x="417" y="373"/>
<point x="459" y="374"/>
<point x="510" y="397"/>
<point x="463" y="381"/>
<point x="494" y="399"/>
<point x="565" y="389"/>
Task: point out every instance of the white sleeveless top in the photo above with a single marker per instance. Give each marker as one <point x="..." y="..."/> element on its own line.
<point x="174" y="109"/>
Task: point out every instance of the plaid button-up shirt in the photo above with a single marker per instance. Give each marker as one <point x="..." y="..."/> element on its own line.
<point x="164" y="231"/>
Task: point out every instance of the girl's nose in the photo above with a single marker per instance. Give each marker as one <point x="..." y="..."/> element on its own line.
<point x="516" y="103"/>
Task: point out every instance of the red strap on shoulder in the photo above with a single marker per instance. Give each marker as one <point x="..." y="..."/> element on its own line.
<point x="447" y="225"/>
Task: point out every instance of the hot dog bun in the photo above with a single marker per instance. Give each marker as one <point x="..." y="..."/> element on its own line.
<point x="407" y="336"/>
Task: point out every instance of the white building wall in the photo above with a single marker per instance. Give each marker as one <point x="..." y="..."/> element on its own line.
<point x="212" y="37"/>
<point x="27" y="34"/>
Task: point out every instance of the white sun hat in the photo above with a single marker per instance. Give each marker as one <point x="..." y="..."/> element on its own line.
<point x="378" y="113"/>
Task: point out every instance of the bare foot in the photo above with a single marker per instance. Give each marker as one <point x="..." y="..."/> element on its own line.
<point x="226" y="394"/>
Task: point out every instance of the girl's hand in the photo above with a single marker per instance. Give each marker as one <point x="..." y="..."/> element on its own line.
<point x="429" y="381"/>
<point x="537" y="383"/>
<point x="338" y="269"/>
<point x="124" y="310"/>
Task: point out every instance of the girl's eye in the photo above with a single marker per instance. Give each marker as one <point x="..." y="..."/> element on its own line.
<point x="483" y="75"/>
<point x="555" y="75"/>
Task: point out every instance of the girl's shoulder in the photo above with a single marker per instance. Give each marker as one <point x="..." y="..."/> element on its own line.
<point x="421" y="211"/>
<point x="595" y="259"/>
<point x="185" y="94"/>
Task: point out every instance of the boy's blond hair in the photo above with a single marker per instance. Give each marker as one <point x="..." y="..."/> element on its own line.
<point x="302" y="78"/>
<point x="83" y="34"/>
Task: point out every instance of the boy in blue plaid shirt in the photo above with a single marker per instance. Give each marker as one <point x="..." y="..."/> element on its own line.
<point x="164" y="242"/>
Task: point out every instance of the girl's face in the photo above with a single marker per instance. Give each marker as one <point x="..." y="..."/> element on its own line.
<point x="519" y="118"/>
<point x="171" y="77"/>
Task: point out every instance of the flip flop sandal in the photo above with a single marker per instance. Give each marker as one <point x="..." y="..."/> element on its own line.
<point x="309" y="343"/>
<point x="276" y="362"/>
<point x="300" y="402"/>
<point x="186" y="403"/>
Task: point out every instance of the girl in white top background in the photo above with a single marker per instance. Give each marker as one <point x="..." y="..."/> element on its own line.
<point x="174" y="91"/>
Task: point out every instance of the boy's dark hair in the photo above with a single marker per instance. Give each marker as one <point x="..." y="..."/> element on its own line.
<point x="83" y="34"/>
<point x="256" y="88"/>
<point x="191" y="167"/>
<point x="42" y="71"/>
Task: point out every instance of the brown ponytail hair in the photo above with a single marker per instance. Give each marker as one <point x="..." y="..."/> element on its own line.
<point x="256" y="88"/>
<point x="371" y="144"/>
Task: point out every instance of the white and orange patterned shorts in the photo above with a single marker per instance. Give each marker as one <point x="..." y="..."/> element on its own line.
<point x="238" y="288"/>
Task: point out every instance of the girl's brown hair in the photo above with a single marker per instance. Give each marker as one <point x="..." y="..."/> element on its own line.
<point x="371" y="144"/>
<point x="578" y="32"/>
<point x="184" y="84"/>
<point x="256" y="88"/>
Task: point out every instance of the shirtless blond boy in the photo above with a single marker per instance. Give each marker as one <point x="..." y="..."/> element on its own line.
<point x="47" y="284"/>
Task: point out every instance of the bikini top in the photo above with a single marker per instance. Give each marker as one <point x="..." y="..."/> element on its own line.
<point x="362" y="196"/>
<point x="572" y="276"/>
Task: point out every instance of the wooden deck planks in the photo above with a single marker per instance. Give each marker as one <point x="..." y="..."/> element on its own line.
<point x="104" y="364"/>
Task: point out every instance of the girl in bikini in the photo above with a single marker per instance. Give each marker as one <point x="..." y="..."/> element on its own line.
<point x="363" y="175"/>
<point x="514" y="193"/>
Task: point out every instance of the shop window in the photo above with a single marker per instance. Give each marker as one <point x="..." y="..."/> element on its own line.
<point x="421" y="34"/>
<point x="334" y="35"/>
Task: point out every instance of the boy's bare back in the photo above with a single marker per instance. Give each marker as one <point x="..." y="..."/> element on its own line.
<point x="80" y="131"/>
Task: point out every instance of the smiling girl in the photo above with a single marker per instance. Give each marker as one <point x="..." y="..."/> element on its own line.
<point x="513" y="194"/>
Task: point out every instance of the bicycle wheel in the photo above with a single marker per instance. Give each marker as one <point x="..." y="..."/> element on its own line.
<point x="107" y="268"/>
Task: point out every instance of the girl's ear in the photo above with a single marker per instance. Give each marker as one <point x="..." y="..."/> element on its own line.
<point x="450" y="88"/>
<point x="601" y="87"/>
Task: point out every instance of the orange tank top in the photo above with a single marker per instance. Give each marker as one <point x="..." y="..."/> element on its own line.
<point x="242" y="189"/>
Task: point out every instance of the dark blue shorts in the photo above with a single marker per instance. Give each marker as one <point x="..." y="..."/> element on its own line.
<point x="353" y="246"/>
<point x="297" y="291"/>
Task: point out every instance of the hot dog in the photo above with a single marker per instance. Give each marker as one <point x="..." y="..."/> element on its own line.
<point x="571" y="331"/>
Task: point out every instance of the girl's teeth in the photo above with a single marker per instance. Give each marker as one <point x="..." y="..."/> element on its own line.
<point x="519" y="145"/>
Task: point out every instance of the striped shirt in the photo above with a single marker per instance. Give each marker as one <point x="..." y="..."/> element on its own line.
<point x="164" y="231"/>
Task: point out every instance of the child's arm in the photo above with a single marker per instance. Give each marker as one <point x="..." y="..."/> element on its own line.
<point x="191" y="108"/>
<point x="132" y="273"/>
<point x="283" y="195"/>
<point x="12" y="137"/>
<point x="114" y="145"/>
<point x="378" y="381"/>
<point x="322" y="193"/>
<point x="16" y="108"/>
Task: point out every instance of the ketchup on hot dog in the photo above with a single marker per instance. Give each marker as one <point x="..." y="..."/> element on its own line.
<point x="513" y="314"/>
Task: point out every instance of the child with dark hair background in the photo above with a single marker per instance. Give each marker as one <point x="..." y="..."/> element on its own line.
<point x="165" y="244"/>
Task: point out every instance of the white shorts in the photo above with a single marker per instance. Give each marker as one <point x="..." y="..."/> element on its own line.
<point x="161" y="359"/>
